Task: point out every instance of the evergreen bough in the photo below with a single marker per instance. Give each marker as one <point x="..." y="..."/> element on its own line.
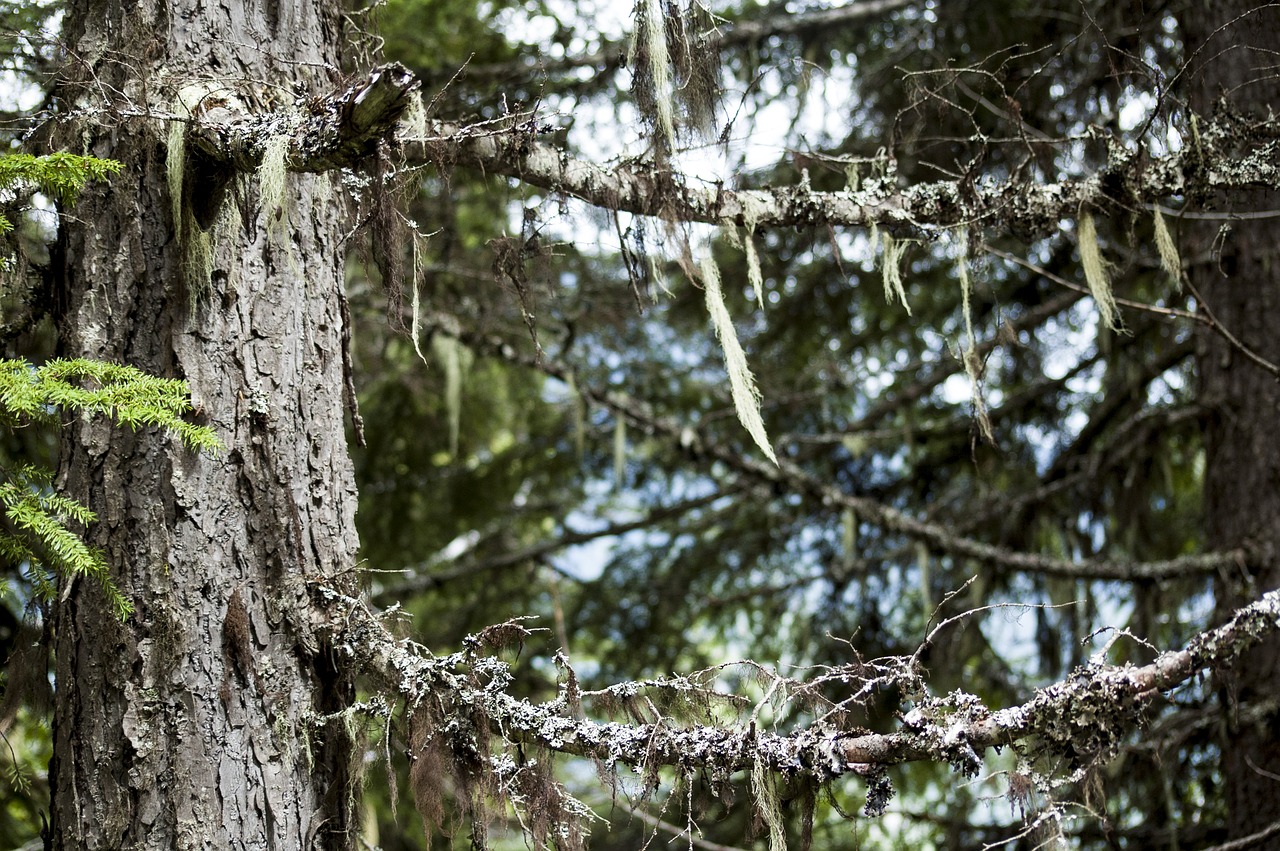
<point x="60" y="176"/>
<point x="33" y="519"/>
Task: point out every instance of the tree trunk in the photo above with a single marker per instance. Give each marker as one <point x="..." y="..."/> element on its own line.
<point x="199" y="722"/>
<point x="1237" y="271"/>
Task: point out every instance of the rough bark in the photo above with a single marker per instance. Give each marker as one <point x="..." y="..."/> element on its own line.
<point x="1231" y="47"/>
<point x="196" y="724"/>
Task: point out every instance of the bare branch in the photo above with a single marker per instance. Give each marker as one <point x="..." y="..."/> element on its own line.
<point x="422" y="580"/>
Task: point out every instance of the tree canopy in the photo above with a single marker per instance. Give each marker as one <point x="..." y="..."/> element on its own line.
<point x="841" y="388"/>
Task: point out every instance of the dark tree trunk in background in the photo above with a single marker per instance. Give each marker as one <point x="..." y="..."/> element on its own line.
<point x="1232" y="52"/>
<point x="197" y="723"/>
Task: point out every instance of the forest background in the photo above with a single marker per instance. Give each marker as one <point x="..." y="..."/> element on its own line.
<point x="1022" y="431"/>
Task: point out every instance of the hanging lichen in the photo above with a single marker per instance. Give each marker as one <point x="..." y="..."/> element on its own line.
<point x="413" y="123"/>
<point x="455" y="359"/>
<point x="271" y="182"/>
<point x="752" y="210"/>
<point x="1095" y="271"/>
<point x="619" y="452"/>
<point x="892" y="271"/>
<point x="674" y="57"/>
<point x="745" y="242"/>
<point x="973" y="366"/>
<point x="1168" y="251"/>
<point x="652" y="63"/>
<point x="966" y="293"/>
<point x="746" y="398"/>
<point x="848" y="539"/>
<point x="764" y="788"/>
<point x="579" y="412"/>
<point x="926" y="584"/>
<point x="418" y="245"/>
<point x="197" y="264"/>
<point x="175" y="158"/>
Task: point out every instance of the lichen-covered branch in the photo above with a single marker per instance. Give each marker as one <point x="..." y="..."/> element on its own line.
<point x="1234" y="152"/>
<point x="340" y="130"/>
<point x="1087" y="714"/>
<point x="343" y="129"/>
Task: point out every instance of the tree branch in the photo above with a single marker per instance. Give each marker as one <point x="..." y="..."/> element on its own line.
<point x="1087" y="714"/>
<point x="340" y="130"/>
<point x="801" y="482"/>
<point x="614" y="54"/>
<point x="343" y="129"/>
<point x="1023" y="206"/>
<point x="425" y="580"/>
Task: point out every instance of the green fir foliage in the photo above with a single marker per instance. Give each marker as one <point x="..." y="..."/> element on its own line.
<point x="35" y="526"/>
<point x="61" y="176"/>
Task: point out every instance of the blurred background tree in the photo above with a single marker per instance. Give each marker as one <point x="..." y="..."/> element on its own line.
<point x="1075" y="440"/>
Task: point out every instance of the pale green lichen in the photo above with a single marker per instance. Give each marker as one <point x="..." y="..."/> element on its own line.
<point x="415" y="306"/>
<point x="650" y="41"/>
<point x="1095" y="271"/>
<point x="848" y="538"/>
<point x="413" y="123"/>
<point x="175" y="164"/>
<point x="197" y="263"/>
<point x="658" y="276"/>
<point x="455" y="360"/>
<point x="852" y="177"/>
<point x="184" y="105"/>
<point x="1168" y="251"/>
<point x="742" y="387"/>
<point x="271" y="182"/>
<point x="579" y="413"/>
<point x="973" y="366"/>
<point x="768" y="805"/>
<point x="746" y="243"/>
<point x="892" y="271"/>
<point x="619" y="451"/>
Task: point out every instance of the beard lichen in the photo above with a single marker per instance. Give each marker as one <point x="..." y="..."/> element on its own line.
<point x="892" y="271"/>
<point x="742" y="386"/>
<point x="973" y="365"/>
<point x="197" y="189"/>
<point x="455" y="359"/>
<point x="768" y="807"/>
<point x="746" y="242"/>
<point x="1095" y="271"/>
<point x="1168" y="251"/>
<point x="271" y="182"/>
<point x="674" y="54"/>
<point x="652" y="63"/>
<point x="619" y="452"/>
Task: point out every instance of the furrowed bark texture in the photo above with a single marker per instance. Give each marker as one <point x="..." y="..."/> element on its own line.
<point x="1237" y="270"/>
<point x="194" y="724"/>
